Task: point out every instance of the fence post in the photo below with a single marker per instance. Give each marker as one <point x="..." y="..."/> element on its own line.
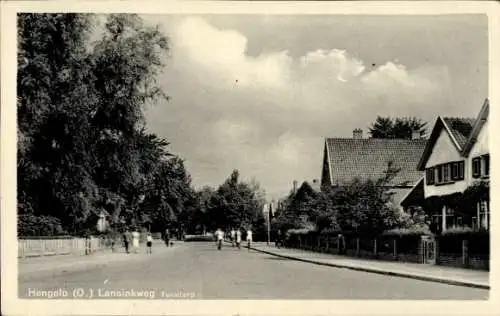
<point x="327" y="246"/>
<point x="465" y="252"/>
<point x="395" y="248"/>
<point x="319" y="244"/>
<point x="375" y="246"/>
<point x="338" y="245"/>
<point x="357" y="246"/>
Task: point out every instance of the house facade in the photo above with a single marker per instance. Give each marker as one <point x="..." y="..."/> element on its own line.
<point x="455" y="157"/>
<point x="345" y="159"/>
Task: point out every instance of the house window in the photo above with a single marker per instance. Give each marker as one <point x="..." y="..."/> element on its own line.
<point x="430" y="176"/>
<point x="446" y="173"/>
<point x="457" y="170"/>
<point x="486" y="165"/>
<point x="476" y="167"/>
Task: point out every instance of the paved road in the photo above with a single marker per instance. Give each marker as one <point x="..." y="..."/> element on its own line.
<point x="198" y="270"/>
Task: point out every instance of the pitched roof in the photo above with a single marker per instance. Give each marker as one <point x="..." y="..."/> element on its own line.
<point x="351" y="158"/>
<point x="414" y="196"/>
<point x="460" y="128"/>
<point x="462" y="132"/>
<point x="478" y="126"/>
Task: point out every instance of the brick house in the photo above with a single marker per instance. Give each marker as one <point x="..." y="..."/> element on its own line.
<point x="345" y="159"/>
<point x="455" y="157"/>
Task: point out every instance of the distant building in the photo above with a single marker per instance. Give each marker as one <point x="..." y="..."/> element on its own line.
<point x="456" y="155"/>
<point x="345" y="159"/>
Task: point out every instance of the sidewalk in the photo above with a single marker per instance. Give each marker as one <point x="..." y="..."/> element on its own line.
<point x="60" y="264"/>
<point x="433" y="273"/>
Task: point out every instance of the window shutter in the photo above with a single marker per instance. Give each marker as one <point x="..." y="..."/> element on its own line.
<point x="454" y="171"/>
<point x="476" y="167"/>
<point x="430" y="176"/>
<point x="461" y="172"/>
<point x="486" y="159"/>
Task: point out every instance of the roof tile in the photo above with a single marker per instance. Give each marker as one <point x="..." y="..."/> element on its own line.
<point x="460" y="127"/>
<point x="369" y="158"/>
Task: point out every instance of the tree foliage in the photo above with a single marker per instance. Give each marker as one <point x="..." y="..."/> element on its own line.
<point x="234" y="204"/>
<point x="362" y="207"/>
<point x="83" y="145"/>
<point x="400" y="127"/>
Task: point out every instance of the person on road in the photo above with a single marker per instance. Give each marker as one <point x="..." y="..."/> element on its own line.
<point x="149" y="244"/>
<point x="233" y="235"/>
<point x="126" y="240"/>
<point x="135" y="240"/>
<point x="249" y="238"/>
<point x="219" y="234"/>
<point x="278" y="239"/>
<point x="167" y="237"/>
<point x="238" y="238"/>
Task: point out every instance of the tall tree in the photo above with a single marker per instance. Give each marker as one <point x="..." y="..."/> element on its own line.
<point x="83" y="146"/>
<point x="400" y="127"/>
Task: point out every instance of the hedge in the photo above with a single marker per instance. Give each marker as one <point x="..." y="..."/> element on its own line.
<point x="46" y="237"/>
<point x="478" y="241"/>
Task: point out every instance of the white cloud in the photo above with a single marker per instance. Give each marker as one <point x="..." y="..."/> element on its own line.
<point x="267" y="115"/>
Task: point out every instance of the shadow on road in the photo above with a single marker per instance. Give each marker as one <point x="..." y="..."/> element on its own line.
<point x="276" y="258"/>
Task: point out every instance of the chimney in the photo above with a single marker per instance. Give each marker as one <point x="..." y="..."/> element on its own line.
<point x="415" y="135"/>
<point x="357" y="133"/>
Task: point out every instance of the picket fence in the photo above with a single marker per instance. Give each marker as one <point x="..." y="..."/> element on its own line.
<point x="52" y="247"/>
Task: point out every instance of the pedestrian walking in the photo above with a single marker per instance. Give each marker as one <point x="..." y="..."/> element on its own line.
<point x="149" y="244"/>
<point x="135" y="241"/>
<point x="233" y="235"/>
<point x="249" y="238"/>
<point x="126" y="240"/>
<point x="238" y="238"/>
<point x="167" y="237"/>
<point x="220" y="238"/>
<point x="278" y="239"/>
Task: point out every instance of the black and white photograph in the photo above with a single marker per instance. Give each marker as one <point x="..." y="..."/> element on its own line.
<point x="200" y="156"/>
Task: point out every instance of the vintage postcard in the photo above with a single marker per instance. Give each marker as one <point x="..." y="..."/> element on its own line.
<point x="248" y="157"/>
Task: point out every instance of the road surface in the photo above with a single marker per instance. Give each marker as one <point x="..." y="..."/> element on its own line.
<point x="198" y="271"/>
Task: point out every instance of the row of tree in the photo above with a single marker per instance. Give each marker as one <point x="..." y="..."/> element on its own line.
<point x="363" y="207"/>
<point x="234" y="204"/>
<point x="83" y="147"/>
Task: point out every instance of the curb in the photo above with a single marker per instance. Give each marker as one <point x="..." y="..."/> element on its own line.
<point x="384" y="272"/>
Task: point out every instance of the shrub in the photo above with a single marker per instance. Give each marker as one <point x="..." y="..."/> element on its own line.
<point x="46" y="237"/>
<point x="32" y="225"/>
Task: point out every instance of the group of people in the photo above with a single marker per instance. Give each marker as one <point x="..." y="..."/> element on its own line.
<point x="235" y="237"/>
<point x="131" y="240"/>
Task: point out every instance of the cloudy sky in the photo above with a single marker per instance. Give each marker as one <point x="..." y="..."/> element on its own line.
<point x="260" y="93"/>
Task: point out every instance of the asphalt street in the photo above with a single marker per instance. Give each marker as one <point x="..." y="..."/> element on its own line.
<point x="198" y="270"/>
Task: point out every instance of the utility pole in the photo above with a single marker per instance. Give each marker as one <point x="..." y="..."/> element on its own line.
<point x="267" y="213"/>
